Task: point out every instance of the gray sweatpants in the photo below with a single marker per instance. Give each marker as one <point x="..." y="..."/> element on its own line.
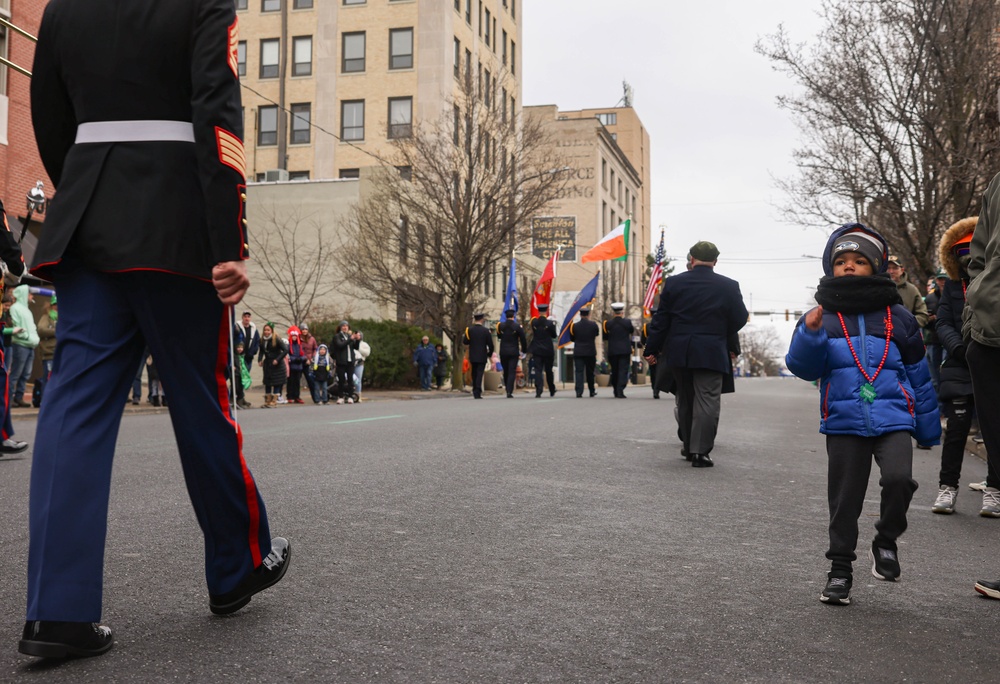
<point x="850" y="465"/>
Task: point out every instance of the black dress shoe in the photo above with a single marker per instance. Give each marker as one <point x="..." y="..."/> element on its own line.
<point x="510" y="396"/>
<point x="593" y="393"/>
<point x="267" y="574"/>
<point x="686" y="455"/>
<point x="47" y="639"/>
<point x="552" y="393"/>
<point x="701" y="461"/>
<point x="12" y="446"/>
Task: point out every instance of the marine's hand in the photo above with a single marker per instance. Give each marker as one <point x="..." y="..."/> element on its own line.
<point x="231" y="281"/>
<point x="651" y="359"/>
<point x="814" y="319"/>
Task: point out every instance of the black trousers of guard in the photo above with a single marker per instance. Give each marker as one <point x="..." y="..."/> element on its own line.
<point x="509" y="364"/>
<point x="478" y="368"/>
<point x="619" y="373"/>
<point x="583" y="368"/>
<point x="543" y="364"/>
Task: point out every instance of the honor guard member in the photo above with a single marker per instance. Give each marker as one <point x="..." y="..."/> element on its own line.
<point x="543" y="331"/>
<point x="138" y="120"/>
<point x="583" y="334"/>
<point x="618" y="331"/>
<point x="652" y="369"/>
<point x="10" y="254"/>
<point x="480" y="343"/>
<point x="513" y="345"/>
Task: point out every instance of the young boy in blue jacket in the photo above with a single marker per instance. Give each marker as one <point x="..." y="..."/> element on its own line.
<point x="866" y="350"/>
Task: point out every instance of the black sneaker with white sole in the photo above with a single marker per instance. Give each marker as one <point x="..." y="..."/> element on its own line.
<point x="885" y="563"/>
<point x="989" y="589"/>
<point x="837" y="591"/>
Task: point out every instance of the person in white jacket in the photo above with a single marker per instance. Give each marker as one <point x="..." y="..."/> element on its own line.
<point x="364" y="349"/>
<point x="24" y="340"/>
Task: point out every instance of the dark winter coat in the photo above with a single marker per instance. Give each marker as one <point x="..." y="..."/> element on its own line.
<point x="512" y="338"/>
<point x="584" y="334"/>
<point x="618" y="332"/>
<point x="441" y="369"/>
<point x="955" y="380"/>
<point x="272" y="350"/>
<point x="543" y="331"/>
<point x="425" y="355"/>
<point x="297" y="358"/>
<point x="932" y="300"/>
<point x="480" y="343"/>
<point x="344" y="349"/>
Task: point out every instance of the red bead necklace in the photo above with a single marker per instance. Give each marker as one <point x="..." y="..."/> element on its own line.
<point x="868" y="391"/>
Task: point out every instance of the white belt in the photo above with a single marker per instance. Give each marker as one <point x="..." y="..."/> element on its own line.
<point x="134" y="131"/>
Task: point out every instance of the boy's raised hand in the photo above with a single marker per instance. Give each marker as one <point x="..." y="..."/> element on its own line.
<point x="814" y="319"/>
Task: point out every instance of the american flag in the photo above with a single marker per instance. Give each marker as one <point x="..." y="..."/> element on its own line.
<point x="655" y="278"/>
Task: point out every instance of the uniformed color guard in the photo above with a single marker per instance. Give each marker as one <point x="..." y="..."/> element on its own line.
<point x="513" y="346"/>
<point x="618" y="332"/>
<point x="480" y="343"/>
<point x="583" y="334"/>
<point x="543" y="352"/>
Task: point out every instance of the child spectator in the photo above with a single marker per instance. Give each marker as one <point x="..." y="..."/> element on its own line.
<point x="156" y="395"/>
<point x="866" y="349"/>
<point x="240" y="376"/>
<point x="322" y="369"/>
<point x="955" y="379"/>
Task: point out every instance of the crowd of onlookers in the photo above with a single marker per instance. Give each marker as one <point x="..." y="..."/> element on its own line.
<point x="24" y="338"/>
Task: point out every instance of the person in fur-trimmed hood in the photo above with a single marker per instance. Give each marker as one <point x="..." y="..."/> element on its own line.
<point x="955" y="387"/>
<point x="867" y="351"/>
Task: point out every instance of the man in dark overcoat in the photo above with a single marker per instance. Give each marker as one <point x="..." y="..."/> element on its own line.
<point x="137" y="116"/>
<point x="700" y="312"/>
<point x="480" y="343"/>
<point x="583" y="333"/>
<point x="618" y="332"/>
<point x="513" y="344"/>
<point x="543" y="352"/>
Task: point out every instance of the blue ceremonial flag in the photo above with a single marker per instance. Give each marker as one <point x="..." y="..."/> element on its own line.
<point x="510" y="299"/>
<point x="586" y="296"/>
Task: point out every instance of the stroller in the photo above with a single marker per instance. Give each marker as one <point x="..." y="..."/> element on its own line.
<point x="333" y="390"/>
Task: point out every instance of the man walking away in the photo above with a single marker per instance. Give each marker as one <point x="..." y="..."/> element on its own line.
<point x="583" y="333"/>
<point x="619" y="331"/>
<point x="513" y="346"/>
<point x="543" y="331"/>
<point x="480" y="343"/>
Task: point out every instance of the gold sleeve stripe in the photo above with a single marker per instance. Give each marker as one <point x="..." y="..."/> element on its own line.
<point x="234" y="41"/>
<point x="231" y="151"/>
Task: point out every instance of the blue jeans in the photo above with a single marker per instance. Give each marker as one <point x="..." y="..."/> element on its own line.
<point x="426" y="371"/>
<point x="359" y="371"/>
<point x="21" y="361"/>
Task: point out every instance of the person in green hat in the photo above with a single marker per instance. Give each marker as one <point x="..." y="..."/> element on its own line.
<point x="931" y="340"/>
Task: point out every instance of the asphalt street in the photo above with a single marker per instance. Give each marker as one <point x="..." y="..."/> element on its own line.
<point x="526" y="540"/>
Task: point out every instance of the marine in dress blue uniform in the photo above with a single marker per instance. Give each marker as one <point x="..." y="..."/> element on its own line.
<point x="137" y="114"/>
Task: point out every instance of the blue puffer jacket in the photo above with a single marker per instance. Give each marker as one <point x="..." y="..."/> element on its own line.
<point x="905" y="398"/>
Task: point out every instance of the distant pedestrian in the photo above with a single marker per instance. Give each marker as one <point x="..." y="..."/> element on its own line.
<point x="441" y="369"/>
<point x="618" y="333"/>
<point x="424" y="358"/>
<point x="364" y="351"/>
<point x="271" y="358"/>
<point x="345" y="346"/>
<point x="908" y="292"/>
<point x="322" y="373"/>
<point x="543" y="331"/>
<point x="10" y="254"/>
<point x="866" y="350"/>
<point x="309" y="348"/>
<point x="297" y="361"/>
<point x="513" y="346"/>
<point x="700" y="312"/>
<point x="156" y="394"/>
<point x="23" y="342"/>
<point x="583" y="333"/>
<point x="480" y="343"/>
<point x="251" y="339"/>
<point x="46" y="325"/>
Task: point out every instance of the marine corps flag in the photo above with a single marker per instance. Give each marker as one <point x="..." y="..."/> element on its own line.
<point x="585" y="297"/>
<point x="543" y="290"/>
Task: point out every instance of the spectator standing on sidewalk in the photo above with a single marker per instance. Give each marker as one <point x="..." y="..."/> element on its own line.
<point x="251" y="339"/>
<point x="908" y="292"/>
<point x="309" y="349"/>
<point x="271" y="358"/>
<point x="425" y="358"/>
<point x="931" y="339"/>
<point x="322" y="367"/>
<point x="866" y="350"/>
<point x="441" y="369"/>
<point x="364" y="351"/>
<point x="10" y="253"/>
<point x="47" y="336"/>
<point x="297" y="361"/>
<point x="981" y="332"/>
<point x="24" y="340"/>
<point x="345" y="346"/>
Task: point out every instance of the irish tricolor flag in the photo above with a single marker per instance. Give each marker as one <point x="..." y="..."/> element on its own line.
<point x="614" y="245"/>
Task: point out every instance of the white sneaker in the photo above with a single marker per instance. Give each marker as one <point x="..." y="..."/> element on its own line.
<point x="340" y="401"/>
<point x="349" y="400"/>
<point x="977" y="486"/>
<point x="991" y="503"/>
<point x="945" y="502"/>
<point x="282" y="400"/>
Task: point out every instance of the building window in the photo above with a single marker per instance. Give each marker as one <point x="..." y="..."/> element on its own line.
<point x="401" y="48"/>
<point x="494" y="46"/>
<point x="513" y="110"/>
<point x="458" y="58"/>
<point x="241" y="4"/>
<point x="480" y="18"/>
<point x="270" y="5"/>
<point x="609" y="119"/>
<point x="302" y="56"/>
<point x="487" y="87"/>
<point x="604" y="218"/>
<point x="400" y="117"/>
<point x="468" y="66"/>
<point x="513" y="58"/>
<point x="619" y="192"/>
<point x="298" y="175"/>
<point x="604" y="173"/>
<point x="405" y="172"/>
<point x="503" y="105"/>
<point x="458" y="6"/>
<point x="352" y="120"/>
<point x="241" y="58"/>
<point x="302" y="4"/>
<point x="354" y="2"/>
<point x="350" y="173"/>
<point x="457" y="125"/>
<point x="301" y="114"/>
<point x="269" y="58"/>
<point x="487" y="36"/>
<point x="612" y="182"/>
<point x="267" y="125"/>
<point x="513" y="9"/>
<point x="504" y="53"/>
<point x="468" y="12"/>
<point x="353" y="52"/>
<point x="404" y="238"/>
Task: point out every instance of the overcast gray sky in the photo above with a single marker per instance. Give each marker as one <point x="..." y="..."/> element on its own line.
<point x="708" y="102"/>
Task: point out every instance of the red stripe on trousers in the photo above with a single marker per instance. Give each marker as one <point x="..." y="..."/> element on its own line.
<point x="223" y="392"/>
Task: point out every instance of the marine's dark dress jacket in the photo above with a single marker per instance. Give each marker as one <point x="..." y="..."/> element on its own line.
<point x="480" y="343"/>
<point x="141" y="205"/>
